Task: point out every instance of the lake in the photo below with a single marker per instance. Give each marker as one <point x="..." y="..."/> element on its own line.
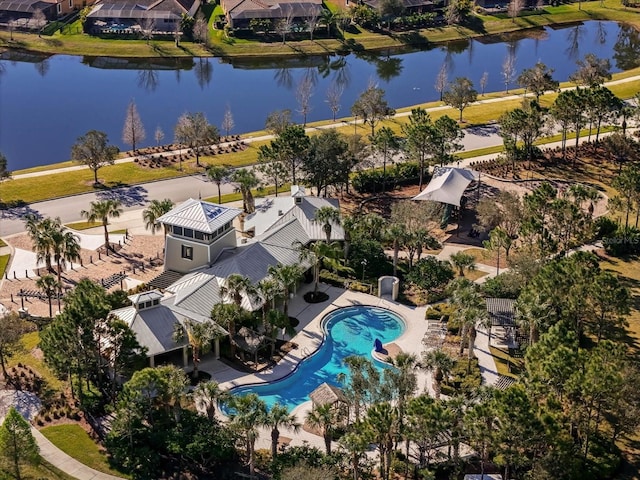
<point x="46" y="103"/>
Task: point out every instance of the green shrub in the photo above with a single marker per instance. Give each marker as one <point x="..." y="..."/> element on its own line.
<point x="624" y="241"/>
<point x="506" y="285"/>
<point x="605" y="226"/>
<point x="371" y="252"/>
<point x="439" y="310"/>
<point x="430" y="273"/>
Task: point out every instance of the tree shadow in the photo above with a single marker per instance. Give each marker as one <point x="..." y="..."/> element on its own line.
<point x="17" y="209"/>
<point x="476" y="24"/>
<point x="128" y="196"/>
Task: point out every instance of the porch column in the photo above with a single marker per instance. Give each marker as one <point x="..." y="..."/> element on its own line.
<point x="185" y="356"/>
<point x="152" y="361"/>
<point x="216" y="349"/>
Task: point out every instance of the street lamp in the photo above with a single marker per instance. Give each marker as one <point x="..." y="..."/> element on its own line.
<point x="364" y="264"/>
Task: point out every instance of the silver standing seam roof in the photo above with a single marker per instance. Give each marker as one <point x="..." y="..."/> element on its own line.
<point x="199" y="215"/>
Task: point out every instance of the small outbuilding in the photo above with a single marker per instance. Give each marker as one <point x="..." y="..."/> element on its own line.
<point x="252" y="342"/>
<point x="327" y="394"/>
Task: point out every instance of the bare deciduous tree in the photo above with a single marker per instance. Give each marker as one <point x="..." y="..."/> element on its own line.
<point x="147" y="26"/>
<point x="483" y="82"/>
<point x="312" y="18"/>
<point x="133" y="131"/>
<point x="201" y="30"/>
<point x="509" y="71"/>
<point x="227" y="120"/>
<point x="158" y="135"/>
<point x="514" y="9"/>
<point x="442" y="80"/>
<point x="39" y="20"/>
<point x="283" y="26"/>
<point x="303" y="96"/>
<point x="177" y="32"/>
<point x="334" y="93"/>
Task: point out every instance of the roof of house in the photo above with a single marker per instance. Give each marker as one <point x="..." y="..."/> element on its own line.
<point x="24" y="6"/>
<point x="327" y="394"/>
<point x="153" y="327"/>
<point x="405" y="3"/>
<point x="145" y="297"/>
<point x="141" y="9"/>
<point x="199" y="215"/>
<point x="274" y="212"/>
<point x="247" y="9"/>
<point x="501" y="310"/>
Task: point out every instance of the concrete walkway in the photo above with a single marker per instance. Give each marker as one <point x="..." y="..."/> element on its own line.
<point x="64" y="462"/>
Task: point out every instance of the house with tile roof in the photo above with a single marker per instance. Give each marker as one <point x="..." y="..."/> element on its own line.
<point x="203" y="248"/>
<point x="239" y="13"/>
<point x="128" y="16"/>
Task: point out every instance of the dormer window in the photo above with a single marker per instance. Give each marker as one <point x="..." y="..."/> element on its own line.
<point x="298" y="200"/>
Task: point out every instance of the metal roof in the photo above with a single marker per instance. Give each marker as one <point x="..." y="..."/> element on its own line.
<point x="272" y="213"/>
<point x="199" y="215"/>
<point x="252" y="9"/>
<point x="145" y="297"/>
<point x="24" y="6"/>
<point x="153" y="328"/>
<point x="501" y="310"/>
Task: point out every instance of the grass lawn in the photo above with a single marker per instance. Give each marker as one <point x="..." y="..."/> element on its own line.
<point x="503" y="359"/>
<point x="43" y="471"/>
<point x="2" y="243"/>
<point x="75" y="442"/>
<point x="83" y="225"/>
<point x="28" y="343"/>
<point x="4" y="261"/>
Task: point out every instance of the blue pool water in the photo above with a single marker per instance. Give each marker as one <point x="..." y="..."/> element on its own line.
<point x="348" y="331"/>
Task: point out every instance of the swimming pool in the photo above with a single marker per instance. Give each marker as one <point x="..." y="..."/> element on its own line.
<point x="348" y="331"/>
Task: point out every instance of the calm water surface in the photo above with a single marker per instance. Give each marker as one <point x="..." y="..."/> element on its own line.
<point x="45" y="104"/>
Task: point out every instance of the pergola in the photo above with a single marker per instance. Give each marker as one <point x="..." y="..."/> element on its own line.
<point x="251" y="341"/>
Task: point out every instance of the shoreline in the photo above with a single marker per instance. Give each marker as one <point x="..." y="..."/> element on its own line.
<point x="362" y="41"/>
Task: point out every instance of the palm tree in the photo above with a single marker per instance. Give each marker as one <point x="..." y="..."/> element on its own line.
<point x="245" y="181"/>
<point x="153" y="212"/>
<point x="66" y="248"/>
<point x="462" y="261"/>
<point x="219" y="174"/>
<point x="236" y="286"/>
<point x="102" y="211"/>
<point x="356" y="443"/>
<point x="207" y="395"/>
<point x="382" y="424"/>
<point x="247" y="413"/>
<point x="199" y="336"/>
<point x="226" y="315"/>
<point x="440" y="364"/>
<point x="403" y="380"/>
<point x="49" y="286"/>
<point x="318" y="253"/>
<point x="268" y="289"/>
<point x="279" y="416"/>
<point x="397" y="233"/>
<point x="323" y="418"/>
<point x="327" y="216"/>
<point x="40" y="231"/>
<point x="287" y="276"/>
<point x="470" y="309"/>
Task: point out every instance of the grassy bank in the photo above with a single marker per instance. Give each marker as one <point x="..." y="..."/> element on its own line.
<point x="359" y="39"/>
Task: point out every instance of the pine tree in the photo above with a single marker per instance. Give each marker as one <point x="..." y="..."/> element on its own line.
<point x="17" y="444"/>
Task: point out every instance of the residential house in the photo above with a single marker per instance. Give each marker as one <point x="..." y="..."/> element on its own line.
<point x="130" y="16"/>
<point x="21" y="11"/>
<point x="239" y="13"/>
<point x="202" y="248"/>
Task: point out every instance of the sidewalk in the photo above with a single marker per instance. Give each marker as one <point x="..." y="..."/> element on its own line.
<point x="64" y="462"/>
<point x="260" y="138"/>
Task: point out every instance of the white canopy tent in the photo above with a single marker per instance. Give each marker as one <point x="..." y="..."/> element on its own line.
<point x="448" y="185"/>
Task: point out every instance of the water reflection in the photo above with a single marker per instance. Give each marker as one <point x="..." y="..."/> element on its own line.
<point x="204" y="72"/>
<point x="574" y="38"/>
<point x="148" y="78"/>
<point x="627" y="48"/>
<point x="42" y="67"/>
<point x="283" y="77"/>
<point x="601" y="34"/>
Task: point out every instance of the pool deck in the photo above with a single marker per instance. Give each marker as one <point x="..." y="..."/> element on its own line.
<point x="310" y="337"/>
